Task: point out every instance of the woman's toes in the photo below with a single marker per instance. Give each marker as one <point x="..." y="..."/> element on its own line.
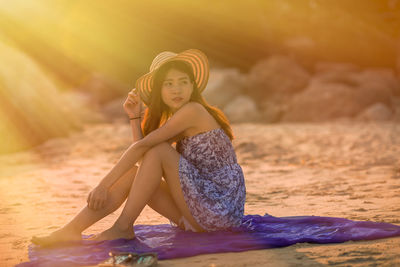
<point x="114" y="233"/>
<point x="34" y="239"/>
<point x="92" y="237"/>
<point x="41" y="240"/>
<point x="60" y="236"/>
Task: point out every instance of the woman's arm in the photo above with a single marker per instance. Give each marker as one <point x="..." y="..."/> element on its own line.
<point x="136" y="129"/>
<point x="133" y="108"/>
<point x="183" y="119"/>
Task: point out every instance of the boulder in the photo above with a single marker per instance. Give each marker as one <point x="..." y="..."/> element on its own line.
<point x="242" y="109"/>
<point x="274" y="107"/>
<point x="320" y="102"/>
<point x="32" y="109"/>
<point x="114" y="109"/>
<point x="272" y="112"/>
<point x="383" y="79"/>
<point x="102" y="88"/>
<point x="375" y="112"/>
<point x="276" y="75"/>
<point x="336" y="67"/>
<point x="380" y="78"/>
<point x="82" y="103"/>
<point x="396" y="108"/>
<point x="336" y="76"/>
<point x="341" y="90"/>
<point x="368" y="94"/>
<point x="223" y="86"/>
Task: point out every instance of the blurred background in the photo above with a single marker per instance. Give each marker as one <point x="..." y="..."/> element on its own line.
<point x="68" y="63"/>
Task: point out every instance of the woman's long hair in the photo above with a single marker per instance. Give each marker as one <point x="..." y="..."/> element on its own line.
<point x="157" y="112"/>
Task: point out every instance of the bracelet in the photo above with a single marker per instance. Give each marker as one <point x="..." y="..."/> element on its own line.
<point x="134" y="118"/>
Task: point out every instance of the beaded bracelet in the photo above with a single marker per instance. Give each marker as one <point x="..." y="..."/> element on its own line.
<point x="134" y="118"/>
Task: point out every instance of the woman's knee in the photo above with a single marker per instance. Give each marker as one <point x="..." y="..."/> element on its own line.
<point x="157" y="150"/>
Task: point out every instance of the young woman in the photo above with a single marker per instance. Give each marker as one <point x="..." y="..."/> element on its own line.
<point x="198" y="185"/>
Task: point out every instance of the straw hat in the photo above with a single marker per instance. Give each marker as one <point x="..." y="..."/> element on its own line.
<point x="196" y="59"/>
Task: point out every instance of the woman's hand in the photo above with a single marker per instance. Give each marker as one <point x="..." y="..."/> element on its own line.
<point x="133" y="104"/>
<point x="97" y="198"/>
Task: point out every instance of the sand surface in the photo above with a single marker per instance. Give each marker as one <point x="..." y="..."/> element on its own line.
<point x="341" y="169"/>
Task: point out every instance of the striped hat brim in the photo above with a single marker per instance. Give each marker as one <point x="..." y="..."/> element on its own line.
<point x="194" y="57"/>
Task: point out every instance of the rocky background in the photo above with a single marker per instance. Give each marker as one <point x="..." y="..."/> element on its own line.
<point x="279" y="89"/>
<point x="69" y="63"/>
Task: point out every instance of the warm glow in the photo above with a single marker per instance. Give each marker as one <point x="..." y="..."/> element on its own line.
<point x="58" y="45"/>
<point x="62" y="58"/>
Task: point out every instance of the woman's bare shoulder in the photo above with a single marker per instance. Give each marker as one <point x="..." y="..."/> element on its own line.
<point x="194" y="109"/>
<point x="204" y="120"/>
<point x="194" y="106"/>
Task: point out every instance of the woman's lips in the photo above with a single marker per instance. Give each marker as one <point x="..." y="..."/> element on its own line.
<point x="177" y="99"/>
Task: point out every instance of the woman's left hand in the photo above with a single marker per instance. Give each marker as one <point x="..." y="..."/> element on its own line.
<point x="97" y="197"/>
<point x="133" y="106"/>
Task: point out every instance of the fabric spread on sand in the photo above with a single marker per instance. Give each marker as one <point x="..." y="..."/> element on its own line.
<point x="255" y="232"/>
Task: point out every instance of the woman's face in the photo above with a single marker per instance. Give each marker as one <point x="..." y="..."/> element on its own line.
<point x="176" y="89"/>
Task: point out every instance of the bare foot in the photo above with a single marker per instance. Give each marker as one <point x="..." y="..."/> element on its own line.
<point x="115" y="233"/>
<point x="60" y="236"/>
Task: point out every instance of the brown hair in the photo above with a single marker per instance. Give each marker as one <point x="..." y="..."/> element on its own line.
<point x="158" y="113"/>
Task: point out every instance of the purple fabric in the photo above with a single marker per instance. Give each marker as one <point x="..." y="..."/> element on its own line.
<point x="255" y="232"/>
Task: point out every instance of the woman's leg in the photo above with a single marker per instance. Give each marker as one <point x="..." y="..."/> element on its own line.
<point x="160" y="161"/>
<point x="161" y="202"/>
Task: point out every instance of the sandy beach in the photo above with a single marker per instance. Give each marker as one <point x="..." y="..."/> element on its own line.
<point x="341" y="169"/>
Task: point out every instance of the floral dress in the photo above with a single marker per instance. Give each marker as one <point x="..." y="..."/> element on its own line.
<point x="211" y="180"/>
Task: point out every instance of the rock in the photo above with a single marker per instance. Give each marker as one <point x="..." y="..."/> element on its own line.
<point x="335" y="72"/>
<point x="35" y="108"/>
<point x="276" y="75"/>
<point x="336" y="67"/>
<point x="274" y="107"/>
<point x="320" y="102"/>
<point x="272" y="112"/>
<point x="103" y="88"/>
<point x="396" y="108"/>
<point x="375" y="112"/>
<point x="82" y="104"/>
<point x="336" y="76"/>
<point x="223" y="86"/>
<point x="396" y="114"/>
<point x="395" y="102"/>
<point x="333" y="96"/>
<point x="339" y="90"/>
<point x="368" y="94"/>
<point x="114" y="109"/>
<point x="380" y="78"/>
<point x="242" y="109"/>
